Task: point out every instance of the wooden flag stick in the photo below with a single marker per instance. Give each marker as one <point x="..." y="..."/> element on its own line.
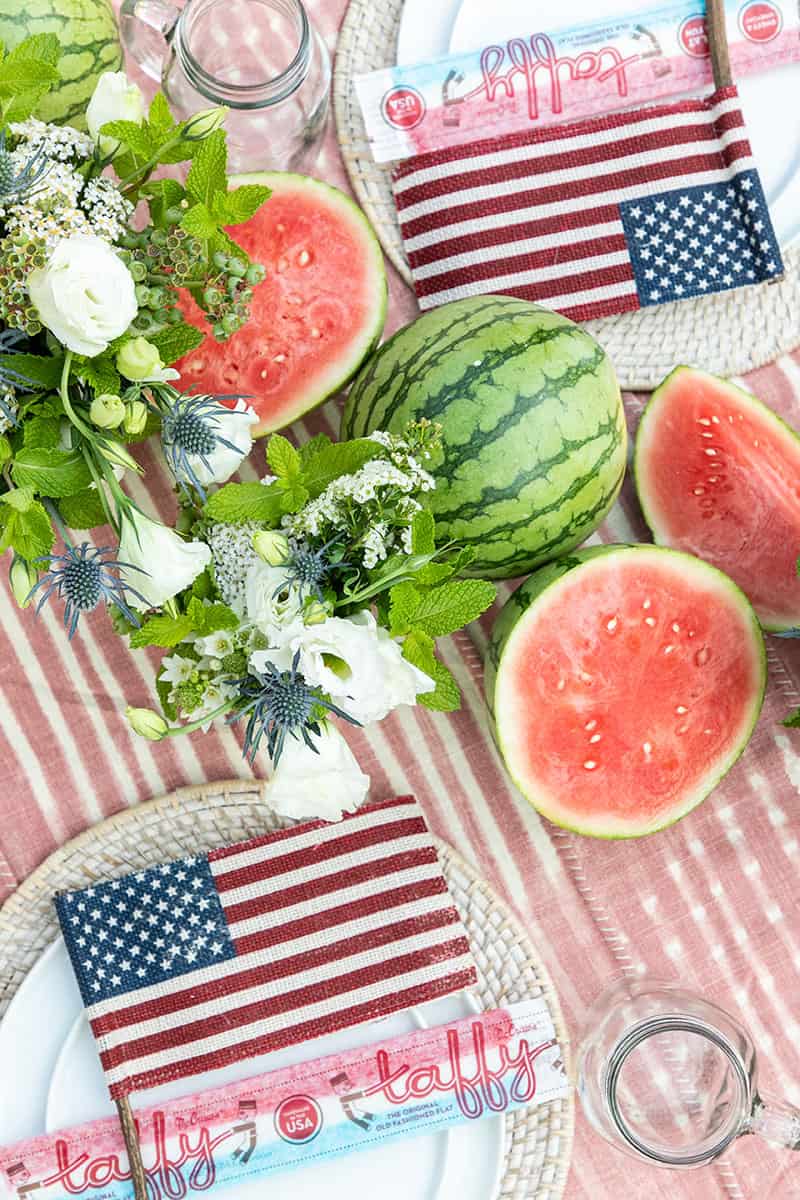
<point x="134" y="1149"/>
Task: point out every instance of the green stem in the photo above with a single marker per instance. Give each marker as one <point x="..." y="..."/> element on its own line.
<point x="176" y="730"/>
<point x="55" y="517"/>
<point x="146" y="167"/>
<point x="98" y="478"/>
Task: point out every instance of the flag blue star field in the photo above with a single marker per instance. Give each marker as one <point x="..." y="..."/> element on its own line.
<point x="199" y="963"/>
<point x="593" y="218"/>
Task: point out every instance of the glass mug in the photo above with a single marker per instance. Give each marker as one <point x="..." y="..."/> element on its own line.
<point x="671" y="1079"/>
<point x="262" y="59"/>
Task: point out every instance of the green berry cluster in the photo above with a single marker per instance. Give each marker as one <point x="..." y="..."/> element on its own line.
<point x="18" y="257"/>
<point x="227" y="295"/>
<point x="159" y="260"/>
<point x="189" y="694"/>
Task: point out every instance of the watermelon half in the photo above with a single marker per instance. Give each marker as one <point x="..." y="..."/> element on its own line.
<point x="718" y="475"/>
<point x="624" y="682"/>
<point x="317" y="315"/>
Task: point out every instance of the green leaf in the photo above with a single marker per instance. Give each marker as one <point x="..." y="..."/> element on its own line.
<point x="239" y="205"/>
<point x="793" y="720"/>
<point x="99" y="373"/>
<point x="404" y="600"/>
<point x="28" y="531"/>
<point x="418" y="648"/>
<point x="282" y="458"/>
<point x="45" y="372"/>
<point x="209" y="618"/>
<point x="238" y="502"/>
<point x="322" y="462"/>
<point x="199" y="222"/>
<point x="208" y="172"/>
<point x="41" y="432"/>
<point x="43" y="46"/>
<point x="164" y="687"/>
<point x="437" y="572"/>
<point x="23" y="104"/>
<point x="293" y="495"/>
<point x="223" y="242"/>
<point x="160" y="119"/>
<point x="162" y="194"/>
<point x="423" y="533"/>
<point x="312" y="447"/>
<point x="203" y="586"/>
<point x="176" y="340"/>
<point x="137" y="138"/>
<point x="23" y="74"/>
<point x="83" y="510"/>
<point x="20" y="499"/>
<point x="51" y="472"/>
<point x="443" y="609"/>
<point x="162" y="631"/>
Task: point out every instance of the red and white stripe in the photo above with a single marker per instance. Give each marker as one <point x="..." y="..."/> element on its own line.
<point x="332" y="924"/>
<point x="536" y="215"/>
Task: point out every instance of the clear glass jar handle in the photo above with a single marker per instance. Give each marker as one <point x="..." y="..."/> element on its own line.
<point x="145" y="27"/>
<point x="778" y="1123"/>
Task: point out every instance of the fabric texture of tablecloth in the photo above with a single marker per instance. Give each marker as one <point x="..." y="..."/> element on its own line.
<point x="711" y="902"/>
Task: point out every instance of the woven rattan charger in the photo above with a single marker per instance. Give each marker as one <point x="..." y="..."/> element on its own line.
<point x="727" y="333"/>
<point x="194" y="819"/>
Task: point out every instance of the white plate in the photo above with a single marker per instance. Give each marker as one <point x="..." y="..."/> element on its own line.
<point x="435" y="28"/>
<point x="45" y="1041"/>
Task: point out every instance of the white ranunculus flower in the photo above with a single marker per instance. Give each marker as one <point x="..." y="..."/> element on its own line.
<point x="325" y="784"/>
<point x="271" y="604"/>
<point x="356" y="662"/>
<point x="233" y="424"/>
<point x="114" y="98"/>
<point x="85" y="295"/>
<point x="171" y="563"/>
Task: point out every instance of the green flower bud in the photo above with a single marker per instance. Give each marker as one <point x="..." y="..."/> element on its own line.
<point x="220" y="260"/>
<point x="255" y="273"/>
<point x="272" y="546"/>
<point x="115" y="453"/>
<point x="22" y="577"/>
<point x="135" y="418"/>
<point x="230" y="323"/>
<point x="204" y="123"/>
<point x="147" y="723"/>
<point x="237" y="267"/>
<point x="315" y="613"/>
<point x="107" y="411"/>
<point x="138" y="359"/>
<point x="138" y="270"/>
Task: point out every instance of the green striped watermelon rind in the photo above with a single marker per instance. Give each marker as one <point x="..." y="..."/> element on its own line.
<point x="649" y="416"/>
<point x="526" y="597"/>
<point x="489" y="355"/>
<point x="89" y="47"/>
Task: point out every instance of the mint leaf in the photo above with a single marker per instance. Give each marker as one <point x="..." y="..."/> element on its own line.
<point x="162" y="631"/>
<point x="293" y="495"/>
<point x="437" y="572"/>
<point x="24" y="104"/>
<point x="226" y="245"/>
<point x="51" y="472"/>
<point x="42" y="372"/>
<point x="239" y="205"/>
<point x="83" y="510"/>
<point x="164" y="687"/>
<point x="423" y="531"/>
<point x="176" y="340"/>
<point x="20" y="499"/>
<point x="24" y="74"/>
<point x="208" y="172"/>
<point x="199" y="222"/>
<point x="160" y="119"/>
<point x="209" y="618"/>
<point x="41" y="432"/>
<point x="238" y="502"/>
<point x="28" y="530"/>
<point x="283" y="459"/>
<point x="418" y="649"/>
<point x="42" y="46"/>
<point x="137" y="138"/>
<point x="793" y="720"/>
<point x="99" y="373"/>
<point x="442" y="609"/>
<point x="322" y="462"/>
<point x="312" y="447"/>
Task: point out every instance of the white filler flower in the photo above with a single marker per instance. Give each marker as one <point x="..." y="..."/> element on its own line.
<point x="326" y="784"/>
<point x="85" y="295"/>
<point x="114" y="98"/>
<point x="170" y="563"/>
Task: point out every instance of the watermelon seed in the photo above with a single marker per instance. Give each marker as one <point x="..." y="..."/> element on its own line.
<point x="681" y="709"/>
<point x="703" y="421"/>
<point x="315" y="333"/>
<point x="650" y="621"/>
<point x="669" y="649"/>
<point x="590" y="725"/>
<point x="713" y="478"/>
<point x="698" y="491"/>
<point x="755" y="442"/>
<point x="682" y="729"/>
<point x="647" y="604"/>
<point x="590" y="764"/>
<point x="707" y="433"/>
<point x="676" y="627"/>
<point x="562" y="683"/>
<point x="596" y="737"/>
<point x="715" y="420"/>
<point x="612" y="624"/>
<point x="279" y="358"/>
<point x="702" y="656"/>
<point x="710" y="450"/>
<point x="648" y="748"/>
<point x="304" y="258"/>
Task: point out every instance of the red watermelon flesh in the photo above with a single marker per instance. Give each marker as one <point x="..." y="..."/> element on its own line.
<point x="718" y="475"/>
<point x="320" y="310"/>
<point x="625" y="681"/>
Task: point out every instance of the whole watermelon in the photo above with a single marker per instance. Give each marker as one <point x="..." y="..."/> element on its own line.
<point x="89" y="41"/>
<point x="532" y="420"/>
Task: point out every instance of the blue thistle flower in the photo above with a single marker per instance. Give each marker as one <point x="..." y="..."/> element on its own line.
<point x="281" y="704"/>
<point x="190" y="426"/>
<point x="18" y="183"/>
<point x="309" y="569"/>
<point x="82" y="576"/>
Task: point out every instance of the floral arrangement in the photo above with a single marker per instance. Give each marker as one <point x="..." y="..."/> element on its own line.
<point x="311" y="598"/>
<point x="94" y="253"/>
<point x="317" y="597"/>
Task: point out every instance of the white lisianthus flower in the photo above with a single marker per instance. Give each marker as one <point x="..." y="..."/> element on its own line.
<point x="176" y="668"/>
<point x="85" y="295"/>
<point x="216" y="645"/>
<point x="114" y="98"/>
<point x="272" y="604"/>
<point x="353" y="660"/>
<point x="228" y="425"/>
<point x="326" y="784"/>
<point x="170" y="563"/>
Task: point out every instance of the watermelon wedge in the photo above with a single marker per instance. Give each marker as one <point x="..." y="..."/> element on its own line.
<point x="624" y="682"/>
<point x="718" y="475"/>
<point x="317" y="315"/>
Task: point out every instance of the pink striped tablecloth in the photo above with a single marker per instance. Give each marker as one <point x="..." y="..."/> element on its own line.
<point x="712" y="902"/>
